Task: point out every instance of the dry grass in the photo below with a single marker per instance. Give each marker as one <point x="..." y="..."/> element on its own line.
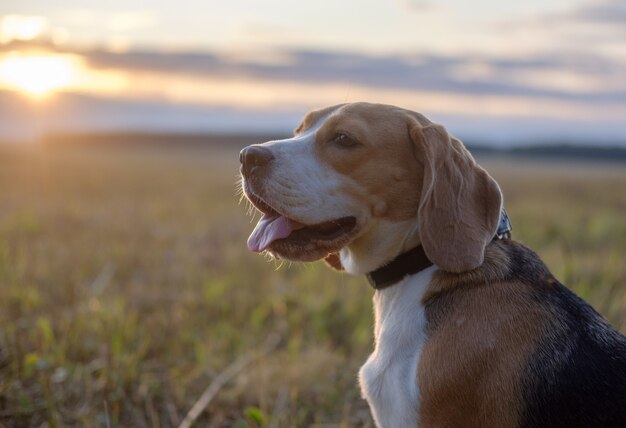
<point x="126" y="288"/>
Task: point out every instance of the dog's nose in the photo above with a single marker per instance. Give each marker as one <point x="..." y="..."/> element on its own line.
<point x="254" y="156"/>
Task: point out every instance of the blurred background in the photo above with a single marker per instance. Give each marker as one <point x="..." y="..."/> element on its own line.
<point x="499" y="72"/>
<point x="125" y="283"/>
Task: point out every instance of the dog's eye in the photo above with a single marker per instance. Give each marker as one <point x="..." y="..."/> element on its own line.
<point x="344" y="141"/>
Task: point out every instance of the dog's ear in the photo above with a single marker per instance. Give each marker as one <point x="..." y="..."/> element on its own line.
<point x="459" y="204"/>
<point x="334" y="261"/>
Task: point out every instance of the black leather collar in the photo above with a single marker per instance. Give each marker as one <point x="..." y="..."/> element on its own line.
<point x="415" y="260"/>
<point x="408" y="263"/>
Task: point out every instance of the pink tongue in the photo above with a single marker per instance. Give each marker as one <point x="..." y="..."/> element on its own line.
<point x="270" y="228"/>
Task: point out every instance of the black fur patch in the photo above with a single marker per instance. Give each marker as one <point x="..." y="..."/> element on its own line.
<point x="577" y="376"/>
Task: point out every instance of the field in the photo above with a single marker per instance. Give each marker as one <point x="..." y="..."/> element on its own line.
<point x="126" y="288"/>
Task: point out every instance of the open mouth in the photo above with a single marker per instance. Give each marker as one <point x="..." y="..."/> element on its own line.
<point x="275" y="229"/>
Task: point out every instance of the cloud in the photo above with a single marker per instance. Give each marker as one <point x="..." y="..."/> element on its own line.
<point x="131" y="21"/>
<point x="555" y="75"/>
<point x="563" y="76"/>
<point x="21" y="27"/>
<point x="612" y="12"/>
<point x="501" y="95"/>
<point x="594" y="26"/>
<point x="416" y="5"/>
<point x="83" y="113"/>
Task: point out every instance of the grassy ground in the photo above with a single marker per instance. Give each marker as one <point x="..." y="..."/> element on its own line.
<point x="126" y="288"/>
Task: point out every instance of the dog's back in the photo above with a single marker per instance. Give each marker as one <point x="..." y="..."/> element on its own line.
<point x="537" y="354"/>
<point x="577" y="376"/>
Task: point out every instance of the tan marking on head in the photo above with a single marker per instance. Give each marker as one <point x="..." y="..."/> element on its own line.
<point x="380" y="208"/>
<point x="384" y="156"/>
<point x="312" y="117"/>
<point x="411" y="177"/>
<point x="481" y="333"/>
<point x="399" y="175"/>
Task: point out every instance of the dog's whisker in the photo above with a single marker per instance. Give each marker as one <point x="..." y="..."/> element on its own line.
<point x="280" y="264"/>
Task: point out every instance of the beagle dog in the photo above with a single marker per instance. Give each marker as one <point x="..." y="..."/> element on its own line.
<point x="470" y="330"/>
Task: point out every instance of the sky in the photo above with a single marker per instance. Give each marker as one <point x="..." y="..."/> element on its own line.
<point x="494" y="72"/>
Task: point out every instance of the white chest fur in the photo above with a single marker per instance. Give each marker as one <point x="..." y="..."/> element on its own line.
<point x="389" y="377"/>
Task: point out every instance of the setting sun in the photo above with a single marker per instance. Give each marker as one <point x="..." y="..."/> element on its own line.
<point x="38" y="75"/>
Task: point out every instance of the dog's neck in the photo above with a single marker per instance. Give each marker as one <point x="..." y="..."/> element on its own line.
<point x="379" y="245"/>
<point x="407" y="263"/>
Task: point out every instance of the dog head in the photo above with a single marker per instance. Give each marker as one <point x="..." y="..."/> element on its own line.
<point x="360" y="183"/>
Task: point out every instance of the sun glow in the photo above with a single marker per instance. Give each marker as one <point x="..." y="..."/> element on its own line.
<point x="38" y="75"/>
<point x="21" y="27"/>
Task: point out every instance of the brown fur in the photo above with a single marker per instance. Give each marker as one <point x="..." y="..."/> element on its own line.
<point x="384" y="171"/>
<point x="460" y="203"/>
<point x="312" y="117"/>
<point x="482" y="329"/>
<point x="385" y="153"/>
